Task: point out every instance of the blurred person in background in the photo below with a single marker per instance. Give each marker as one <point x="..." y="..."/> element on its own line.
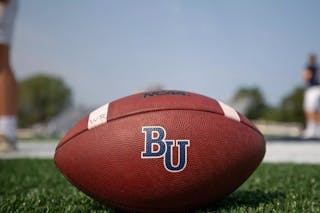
<point x="311" y="103"/>
<point x="8" y="83"/>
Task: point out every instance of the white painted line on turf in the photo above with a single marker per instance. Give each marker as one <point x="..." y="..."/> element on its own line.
<point x="293" y="152"/>
<point x="277" y="151"/>
<point x="40" y="150"/>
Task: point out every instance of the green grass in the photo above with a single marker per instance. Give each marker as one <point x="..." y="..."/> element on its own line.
<point x="37" y="186"/>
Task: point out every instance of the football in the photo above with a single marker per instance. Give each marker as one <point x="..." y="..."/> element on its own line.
<point x="160" y="151"/>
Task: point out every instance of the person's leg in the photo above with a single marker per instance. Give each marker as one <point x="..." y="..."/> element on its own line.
<point x="311" y="125"/>
<point x="310" y="108"/>
<point x="316" y="114"/>
<point x="317" y="121"/>
<point x="8" y="84"/>
<point x="8" y="100"/>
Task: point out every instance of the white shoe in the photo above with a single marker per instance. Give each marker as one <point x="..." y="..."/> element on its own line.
<point x="309" y="134"/>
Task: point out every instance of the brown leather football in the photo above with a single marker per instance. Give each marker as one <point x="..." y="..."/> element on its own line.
<point x="160" y="151"/>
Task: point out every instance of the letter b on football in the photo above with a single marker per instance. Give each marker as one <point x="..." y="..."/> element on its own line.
<point x="156" y="146"/>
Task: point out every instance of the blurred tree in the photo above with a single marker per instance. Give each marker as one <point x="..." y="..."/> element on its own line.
<point x="41" y="98"/>
<point x="271" y="114"/>
<point x="250" y="102"/>
<point x="291" y="107"/>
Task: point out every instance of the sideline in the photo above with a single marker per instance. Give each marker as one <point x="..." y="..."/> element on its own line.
<point x="32" y="149"/>
<point x="293" y="152"/>
<point x="278" y="151"/>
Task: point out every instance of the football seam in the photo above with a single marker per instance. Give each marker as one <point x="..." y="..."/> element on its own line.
<point x="136" y="113"/>
<point x="168" y="109"/>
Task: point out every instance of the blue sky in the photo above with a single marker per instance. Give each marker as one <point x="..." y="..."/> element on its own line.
<point x="107" y="49"/>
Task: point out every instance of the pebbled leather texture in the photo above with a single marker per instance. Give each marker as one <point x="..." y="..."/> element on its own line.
<point x="155" y="101"/>
<point x="105" y="162"/>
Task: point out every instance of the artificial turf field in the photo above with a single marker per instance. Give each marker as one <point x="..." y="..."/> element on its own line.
<point x="37" y="186"/>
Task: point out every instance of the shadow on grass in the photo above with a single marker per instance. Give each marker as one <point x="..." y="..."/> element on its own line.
<point x="95" y="206"/>
<point x="245" y="199"/>
<point x="239" y="199"/>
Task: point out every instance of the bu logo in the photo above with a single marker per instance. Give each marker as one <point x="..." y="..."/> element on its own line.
<point x="156" y="146"/>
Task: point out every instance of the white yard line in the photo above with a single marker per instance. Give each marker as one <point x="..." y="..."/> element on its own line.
<point x="277" y="151"/>
<point x="293" y="152"/>
<point x="41" y="149"/>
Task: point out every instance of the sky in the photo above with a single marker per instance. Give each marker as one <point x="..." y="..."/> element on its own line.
<point x="105" y="50"/>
